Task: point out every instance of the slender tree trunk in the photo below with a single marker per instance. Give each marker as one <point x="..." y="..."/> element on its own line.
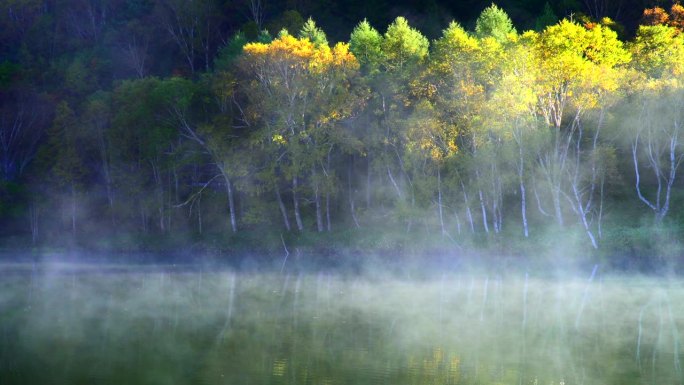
<point x="231" y="203"/>
<point x="317" y="200"/>
<point x="327" y="212"/>
<point x="281" y="205"/>
<point x="555" y="192"/>
<point x="518" y="136"/>
<point x="176" y="182"/>
<point x="162" y="223"/>
<point x="352" y="209"/>
<point x="104" y="157"/>
<point x="169" y="203"/>
<point x="439" y="200"/>
<point x="523" y="196"/>
<point x="539" y="204"/>
<point x="73" y="210"/>
<point x="583" y="217"/>
<point x="368" y="183"/>
<point x="458" y="223"/>
<point x="394" y="183"/>
<point x="469" y="213"/>
<point x="231" y="197"/>
<point x="483" y="206"/>
<point x="34" y="214"/>
<point x="199" y="214"/>
<point x="159" y="194"/>
<point x="494" y="194"/>
<point x="600" y="213"/>
<point x="579" y="192"/>
<point x="298" y="217"/>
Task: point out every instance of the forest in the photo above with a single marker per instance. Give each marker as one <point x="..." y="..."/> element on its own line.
<point x="251" y="125"/>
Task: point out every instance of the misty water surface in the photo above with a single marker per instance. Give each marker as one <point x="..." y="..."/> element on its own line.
<point x="159" y="326"/>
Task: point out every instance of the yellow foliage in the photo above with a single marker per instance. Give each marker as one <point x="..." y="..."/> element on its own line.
<point x="301" y="54"/>
<point x="277" y="138"/>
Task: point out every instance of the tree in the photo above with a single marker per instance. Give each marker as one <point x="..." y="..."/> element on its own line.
<point x="298" y="91"/>
<point x="677" y="16"/>
<point x="576" y="75"/>
<point x="655" y="16"/>
<point x="494" y="22"/>
<point x="511" y="112"/>
<point x="403" y="46"/>
<point x="547" y="18"/>
<point x="24" y="117"/>
<point x="404" y="50"/>
<point x="143" y="137"/>
<point x="66" y="148"/>
<point x="430" y="144"/>
<point x="96" y="118"/>
<point x="657" y="142"/>
<point x="193" y="27"/>
<point x="658" y="52"/>
<point x="366" y="45"/>
<point x="466" y="70"/>
<point x="656" y="132"/>
<point x="289" y="20"/>
<point x="313" y="33"/>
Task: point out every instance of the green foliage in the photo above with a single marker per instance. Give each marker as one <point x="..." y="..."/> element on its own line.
<point x="264" y="37"/>
<point x="403" y="46"/>
<point x="250" y="30"/>
<point x="444" y="138"/>
<point x="494" y="22"/>
<point x="230" y="52"/>
<point x="289" y="20"/>
<point x="8" y="72"/>
<point x="78" y="78"/>
<point x="66" y="144"/>
<point x="12" y="200"/>
<point x="366" y="44"/>
<point x="658" y="51"/>
<point x="453" y="48"/>
<point x="313" y="33"/>
<point x="546" y="18"/>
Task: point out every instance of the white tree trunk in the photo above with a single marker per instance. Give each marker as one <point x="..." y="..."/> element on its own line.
<point x="523" y="202"/>
<point x="439" y="200"/>
<point x="469" y="213"/>
<point x="317" y="200"/>
<point x="352" y="209"/>
<point x="231" y="203"/>
<point x="34" y="216"/>
<point x="281" y="205"/>
<point x="298" y="217"/>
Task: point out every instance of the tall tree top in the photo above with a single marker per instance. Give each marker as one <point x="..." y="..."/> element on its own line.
<point x="313" y="33"/>
<point x="494" y="22"/>
<point x="366" y="44"/>
<point x="403" y="45"/>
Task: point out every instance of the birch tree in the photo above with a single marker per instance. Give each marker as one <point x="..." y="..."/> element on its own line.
<point x="299" y="91"/>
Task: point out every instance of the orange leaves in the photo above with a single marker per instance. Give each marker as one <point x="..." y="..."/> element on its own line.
<point x="658" y="16"/>
<point x="677" y="16"/>
<point x="654" y="16"/>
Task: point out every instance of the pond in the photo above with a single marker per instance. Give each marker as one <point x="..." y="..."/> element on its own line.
<point x="76" y="325"/>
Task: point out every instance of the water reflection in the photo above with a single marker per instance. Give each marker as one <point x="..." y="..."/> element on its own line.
<point x="161" y="327"/>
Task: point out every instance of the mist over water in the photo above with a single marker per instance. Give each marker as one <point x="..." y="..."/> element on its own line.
<point x="159" y="325"/>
